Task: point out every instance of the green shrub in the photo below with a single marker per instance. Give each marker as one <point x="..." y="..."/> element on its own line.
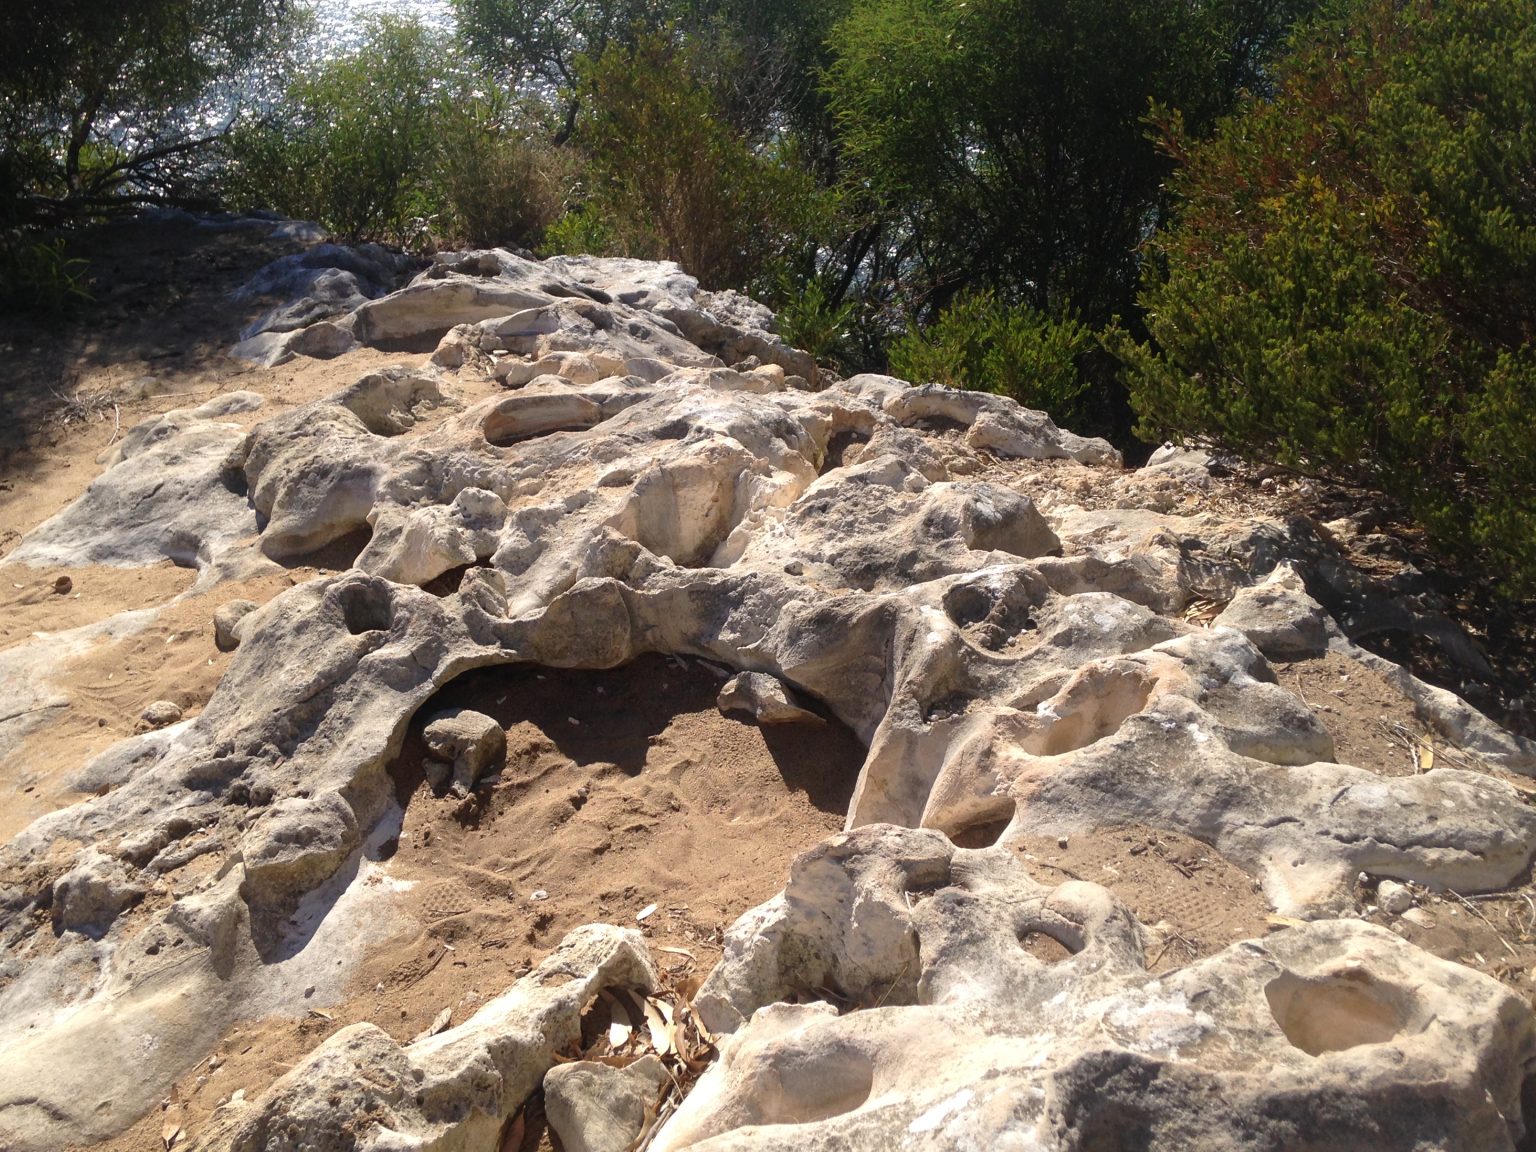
<point x="493" y="180"/>
<point x="983" y="344"/>
<point x="808" y="320"/>
<point x="36" y="275"/>
<point x="581" y="230"/>
<point x="349" y="143"/>
<point x="1351" y="288"/>
<point x="671" y="179"/>
<point x="400" y="140"/>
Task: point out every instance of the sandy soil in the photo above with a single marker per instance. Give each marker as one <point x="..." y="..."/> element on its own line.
<point x="621" y="789"/>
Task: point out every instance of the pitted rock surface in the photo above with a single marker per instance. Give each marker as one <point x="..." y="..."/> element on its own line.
<point x="662" y="474"/>
<point x="1330" y="1035"/>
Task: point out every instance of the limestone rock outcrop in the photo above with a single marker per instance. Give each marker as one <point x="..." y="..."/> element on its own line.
<point x="1331" y="1034"/>
<point x="361" y="1090"/>
<point x="643" y="467"/>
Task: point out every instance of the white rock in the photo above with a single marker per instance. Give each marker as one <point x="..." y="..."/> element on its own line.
<point x="595" y="1108"/>
<point x="764" y="698"/>
<point x="227" y="619"/>
<point x="471" y="742"/>
<point x="1393" y="898"/>
<point x="160" y="713"/>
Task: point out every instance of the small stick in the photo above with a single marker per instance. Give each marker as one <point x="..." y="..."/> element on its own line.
<point x="1472" y="908"/>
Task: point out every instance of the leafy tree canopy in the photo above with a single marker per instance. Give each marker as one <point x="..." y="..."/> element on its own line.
<point x="1351" y="287"/>
<point x="1008" y="135"/>
<point x="104" y="104"/>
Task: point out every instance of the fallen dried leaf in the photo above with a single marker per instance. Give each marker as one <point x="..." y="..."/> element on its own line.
<point x="512" y="1134"/>
<point x="659" y="1029"/>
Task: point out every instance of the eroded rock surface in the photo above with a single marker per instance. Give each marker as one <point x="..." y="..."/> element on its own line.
<point x="658" y="472"/>
<point x="1332" y="1034"/>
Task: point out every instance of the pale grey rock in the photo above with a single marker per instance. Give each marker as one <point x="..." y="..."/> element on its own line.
<point x="1192" y="466"/>
<point x="157" y="429"/>
<point x="999" y="425"/>
<point x="426" y="310"/>
<point x="764" y="698"/>
<point x="170" y="492"/>
<point x="322" y="341"/>
<point x="593" y="1107"/>
<point x="1335" y="1033"/>
<point x="361" y="1091"/>
<point x="227" y="620"/>
<point x="469" y="742"/>
<point x="1016" y="666"/>
<point x="338" y="436"/>
<point x="160" y="713"/>
<point x="1281" y="619"/>
<point x="1393" y="898"/>
<point x="90" y="895"/>
<point x="318" y="284"/>
<point x="455" y="349"/>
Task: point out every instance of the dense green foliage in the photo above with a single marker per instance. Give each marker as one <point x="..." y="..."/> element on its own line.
<point x="1006" y="137"/>
<point x="107" y="104"/>
<point x="1317" y="250"/>
<point x="1351" y="288"/>
<point x="396" y="140"/>
<point x="983" y="344"/>
<point x="673" y="179"/>
<point x="37" y="276"/>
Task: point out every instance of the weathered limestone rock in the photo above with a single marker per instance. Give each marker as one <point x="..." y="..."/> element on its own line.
<point x="360" y="1090"/>
<point x="1279" y="617"/>
<point x="1393" y="898"/>
<point x="655" y="481"/>
<point x="467" y="743"/>
<point x="227" y="619"/>
<point x="764" y="698"/>
<point x="314" y="289"/>
<point x="90" y="895"/>
<point x="168" y="493"/>
<point x="593" y="1107"/>
<point x="160" y="713"/>
<point x="1332" y="1034"/>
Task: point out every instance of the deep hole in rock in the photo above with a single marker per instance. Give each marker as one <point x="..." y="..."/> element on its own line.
<point x="620" y="788"/>
<point x="939" y="424"/>
<point x="948" y="706"/>
<point x="338" y="555"/>
<point x="1527" y="1141"/>
<point x="508" y="439"/>
<point x="450" y="581"/>
<point x="1337" y="1011"/>
<point x="984" y="829"/>
<point x="366" y="608"/>
<point x="968" y="604"/>
<point x="1045" y="947"/>
<point x="837" y="448"/>
<point x="233" y="481"/>
<point x="988" y="617"/>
